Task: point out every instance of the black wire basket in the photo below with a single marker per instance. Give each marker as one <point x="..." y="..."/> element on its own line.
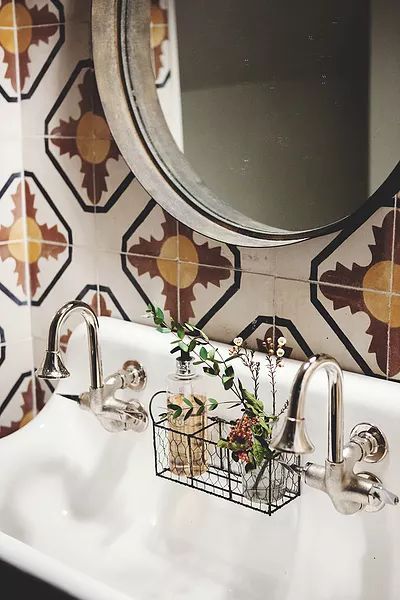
<point x="195" y="460"/>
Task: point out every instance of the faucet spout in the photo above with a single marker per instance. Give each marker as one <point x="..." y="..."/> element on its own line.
<point x="293" y="436"/>
<point x="53" y="366"/>
<point x="349" y="491"/>
<point x="114" y="414"/>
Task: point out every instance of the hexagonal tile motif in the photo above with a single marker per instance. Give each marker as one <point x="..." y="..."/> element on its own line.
<point x="264" y="327"/>
<point x="356" y="275"/>
<point x="80" y="144"/>
<point x="26" y="54"/>
<point x="25" y="204"/>
<point x="156" y="258"/>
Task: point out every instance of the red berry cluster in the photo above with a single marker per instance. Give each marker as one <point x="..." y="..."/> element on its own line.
<point x="242" y="435"/>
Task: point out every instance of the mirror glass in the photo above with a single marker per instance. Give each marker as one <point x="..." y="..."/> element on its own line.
<point x="287" y="111"/>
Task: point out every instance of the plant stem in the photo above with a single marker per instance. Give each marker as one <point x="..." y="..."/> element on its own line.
<point x="260" y="474"/>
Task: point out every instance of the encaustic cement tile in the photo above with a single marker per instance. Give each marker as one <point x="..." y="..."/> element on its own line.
<point x="80" y="144"/>
<point x="14" y="313"/>
<point x="394" y="329"/>
<point x="73" y="10"/>
<point x="39" y="105"/>
<point x="270" y="327"/>
<point x="81" y="224"/>
<point x="14" y="317"/>
<point x="154" y="234"/>
<point x="223" y="320"/>
<point x="29" y="54"/>
<point x="10" y="118"/>
<point x="292" y="301"/>
<point x="137" y="225"/>
<point x="361" y="259"/>
<point x="204" y="291"/>
<point x="11" y="161"/>
<point x="196" y="248"/>
<point x="79" y="273"/>
<point x="132" y="282"/>
<point x="48" y="235"/>
<point x="356" y="276"/>
<point x="17" y="393"/>
<point x="394" y="339"/>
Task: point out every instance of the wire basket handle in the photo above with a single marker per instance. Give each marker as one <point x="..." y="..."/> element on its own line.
<point x="151" y="403"/>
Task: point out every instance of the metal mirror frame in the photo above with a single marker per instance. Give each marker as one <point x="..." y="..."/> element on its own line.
<point x="121" y="29"/>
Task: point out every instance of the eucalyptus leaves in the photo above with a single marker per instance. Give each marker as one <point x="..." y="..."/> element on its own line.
<point x="250" y="435"/>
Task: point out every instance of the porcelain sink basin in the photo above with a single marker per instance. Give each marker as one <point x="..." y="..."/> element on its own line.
<point x="82" y="508"/>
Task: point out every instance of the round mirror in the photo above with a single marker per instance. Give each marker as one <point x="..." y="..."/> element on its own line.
<point x="258" y="123"/>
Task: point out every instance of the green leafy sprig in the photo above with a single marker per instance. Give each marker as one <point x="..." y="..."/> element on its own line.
<point x="254" y="449"/>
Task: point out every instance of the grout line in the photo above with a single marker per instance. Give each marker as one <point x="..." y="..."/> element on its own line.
<point x="177" y="260"/>
<point x="41" y="136"/>
<point x="393" y="245"/>
<point x="58" y="24"/>
<point x="178" y="271"/>
<point x="178" y="291"/>
<point x="24" y="216"/>
<point x="267" y="275"/>
<point x="274" y="305"/>
<point x="388" y="335"/>
<point x="18" y="241"/>
<point x="97" y="277"/>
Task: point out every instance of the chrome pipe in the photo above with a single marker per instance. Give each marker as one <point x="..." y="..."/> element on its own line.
<point x="52" y="366"/>
<point x="293" y="437"/>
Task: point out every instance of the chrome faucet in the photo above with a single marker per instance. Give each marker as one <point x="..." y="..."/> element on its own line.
<point x="348" y="491"/>
<point x="114" y="414"/>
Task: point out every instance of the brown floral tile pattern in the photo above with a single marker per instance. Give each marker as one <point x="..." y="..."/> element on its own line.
<point x="38" y="25"/>
<point x="363" y="284"/>
<point x="86" y="138"/>
<point x="377" y="274"/>
<point x="31" y="403"/>
<point x="35" y="249"/>
<point x="19" y="395"/>
<point x="138" y="253"/>
<point x="188" y="275"/>
<point x="45" y="241"/>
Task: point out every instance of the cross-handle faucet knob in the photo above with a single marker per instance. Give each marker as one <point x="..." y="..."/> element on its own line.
<point x="378" y="492"/>
<point x="348" y="490"/>
<point x="114" y="414"/>
<point x="378" y="495"/>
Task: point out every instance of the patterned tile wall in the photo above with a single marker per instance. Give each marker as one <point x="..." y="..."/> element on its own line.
<point x="75" y="223"/>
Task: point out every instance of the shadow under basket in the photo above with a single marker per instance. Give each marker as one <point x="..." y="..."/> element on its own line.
<point x="195" y="460"/>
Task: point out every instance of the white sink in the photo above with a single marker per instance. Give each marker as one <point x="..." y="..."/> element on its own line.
<point x="82" y="509"/>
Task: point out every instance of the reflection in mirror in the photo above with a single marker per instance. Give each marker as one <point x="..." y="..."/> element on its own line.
<point x="288" y="111"/>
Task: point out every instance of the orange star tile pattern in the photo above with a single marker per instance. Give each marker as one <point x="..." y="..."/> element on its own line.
<point x="358" y="291"/>
<point x="37" y="234"/>
<point x="35" y="26"/>
<point x="194" y="271"/>
<point x="89" y="138"/>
